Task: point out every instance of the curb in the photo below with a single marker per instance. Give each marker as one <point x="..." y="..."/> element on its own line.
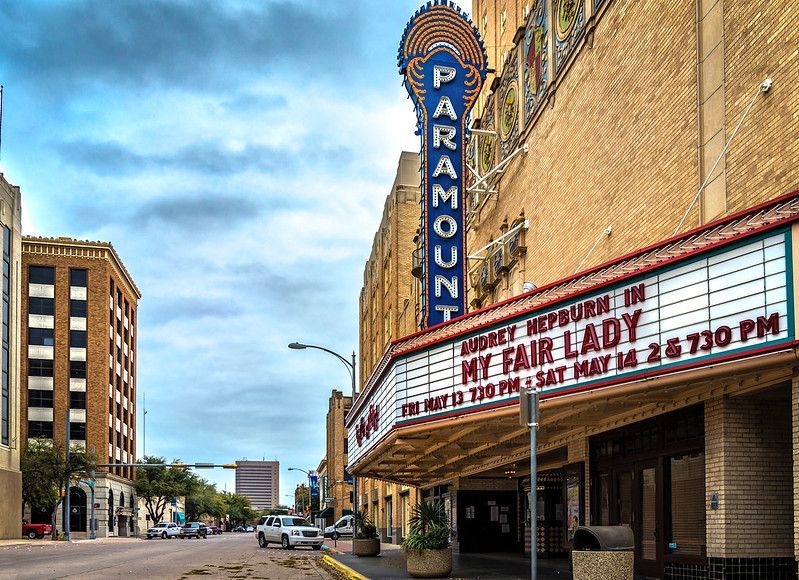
<point x="339" y="567"/>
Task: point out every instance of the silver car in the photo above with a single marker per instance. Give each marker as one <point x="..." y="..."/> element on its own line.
<point x="289" y="532"/>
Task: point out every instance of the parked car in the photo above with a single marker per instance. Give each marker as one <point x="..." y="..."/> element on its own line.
<point x="214" y="530"/>
<point x="289" y="532"/>
<point x="250" y="529"/>
<point x="343" y="527"/>
<point x="194" y="530"/>
<point x="238" y="529"/>
<point x="163" y="530"/>
<point x="36" y="530"/>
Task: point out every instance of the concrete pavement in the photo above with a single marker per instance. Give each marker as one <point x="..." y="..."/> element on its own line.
<point x="227" y="556"/>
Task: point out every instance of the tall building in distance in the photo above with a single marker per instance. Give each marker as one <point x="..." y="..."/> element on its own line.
<point x="10" y="476"/>
<point x="79" y="324"/>
<point x="259" y="481"/>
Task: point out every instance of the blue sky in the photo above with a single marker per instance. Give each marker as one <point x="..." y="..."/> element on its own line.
<point x="237" y="155"/>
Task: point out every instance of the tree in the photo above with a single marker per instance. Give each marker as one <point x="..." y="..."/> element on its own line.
<point x="302" y="497"/>
<point x="237" y="508"/>
<point x="46" y="467"/>
<point x="158" y="486"/>
<point x="204" y="500"/>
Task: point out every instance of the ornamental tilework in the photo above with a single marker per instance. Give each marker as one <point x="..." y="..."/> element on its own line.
<point x="486" y="154"/>
<point x="569" y="24"/>
<point x="536" y="60"/>
<point x="509" y="105"/>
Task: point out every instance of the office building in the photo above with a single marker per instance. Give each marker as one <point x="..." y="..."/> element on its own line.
<point x="80" y="327"/>
<point x="259" y="481"/>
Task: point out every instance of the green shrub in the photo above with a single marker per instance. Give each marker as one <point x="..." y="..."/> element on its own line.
<point x="364" y="528"/>
<point x="429" y="528"/>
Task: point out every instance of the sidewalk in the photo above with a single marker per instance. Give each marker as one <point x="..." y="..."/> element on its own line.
<point x="391" y="564"/>
<point x="48" y="542"/>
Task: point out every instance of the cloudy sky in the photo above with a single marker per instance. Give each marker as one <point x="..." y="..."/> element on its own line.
<point x="237" y="155"/>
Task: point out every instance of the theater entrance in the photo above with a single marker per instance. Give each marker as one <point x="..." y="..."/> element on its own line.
<point x="651" y="477"/>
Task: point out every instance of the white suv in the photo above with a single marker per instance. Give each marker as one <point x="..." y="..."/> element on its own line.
<point x="289" y="532"/>
<point x="163" y="530"/>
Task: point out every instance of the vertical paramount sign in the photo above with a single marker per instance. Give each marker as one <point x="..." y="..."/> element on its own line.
<point x="444" y="65"/>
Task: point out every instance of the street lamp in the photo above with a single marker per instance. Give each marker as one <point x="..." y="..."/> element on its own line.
<point x="308" y="473"/>
<point x="351" y="368"/>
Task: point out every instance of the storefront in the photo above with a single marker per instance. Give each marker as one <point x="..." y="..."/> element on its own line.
<point x="666" y="380"/>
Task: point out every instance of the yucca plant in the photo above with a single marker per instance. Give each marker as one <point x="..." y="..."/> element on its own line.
<point x="429" y="527"/>
<point x="365" y="529"/>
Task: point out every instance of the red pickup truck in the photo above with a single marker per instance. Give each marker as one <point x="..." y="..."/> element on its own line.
<point x="36" y="530"/>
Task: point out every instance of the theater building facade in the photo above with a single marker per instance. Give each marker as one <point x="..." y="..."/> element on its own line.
<point x="631" y="165"/>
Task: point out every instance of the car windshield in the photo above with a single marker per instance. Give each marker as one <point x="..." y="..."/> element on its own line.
<point x="160" y="525"/>
<point x="295" y="522"/>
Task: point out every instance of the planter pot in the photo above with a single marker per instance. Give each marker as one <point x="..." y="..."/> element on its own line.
<point x="369" y="547"/>
<point x="430" y="563"/>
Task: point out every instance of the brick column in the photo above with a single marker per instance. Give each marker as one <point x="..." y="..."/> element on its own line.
<point x="748" y="465"/>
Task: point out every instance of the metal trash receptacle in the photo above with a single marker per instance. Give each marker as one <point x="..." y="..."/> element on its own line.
<point x="603" y="553"/>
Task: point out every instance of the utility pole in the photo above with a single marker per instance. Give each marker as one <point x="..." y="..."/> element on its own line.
<point x="528" y="417"/>
<point x="144" y="431"/>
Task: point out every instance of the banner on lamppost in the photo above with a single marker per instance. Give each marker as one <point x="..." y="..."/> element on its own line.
<point x="443" y="62"/>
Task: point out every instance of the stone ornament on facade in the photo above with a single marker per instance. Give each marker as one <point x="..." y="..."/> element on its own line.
<point x="536" y="60"/>
<point x="509" y="105"/>
<point x="569" y="20"/>
<point x="487" y="143"/>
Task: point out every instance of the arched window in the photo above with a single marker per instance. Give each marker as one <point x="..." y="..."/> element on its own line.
<point x="110" y="510"/>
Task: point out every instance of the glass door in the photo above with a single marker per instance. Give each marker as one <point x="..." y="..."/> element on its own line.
<point x="649" y="556"/>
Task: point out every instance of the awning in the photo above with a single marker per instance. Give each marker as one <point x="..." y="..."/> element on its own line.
<point x="181" y="518"/>
<point x="346" y="512"/>
<point x="325" y="513"/>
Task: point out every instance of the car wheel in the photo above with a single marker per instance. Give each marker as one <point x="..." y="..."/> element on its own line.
<point x="32" y="535"/>
<point x="285" y="543"/>
<point x="163" y="535"/>
<point x="262" y="541"/>
<point x="335" y="536"/>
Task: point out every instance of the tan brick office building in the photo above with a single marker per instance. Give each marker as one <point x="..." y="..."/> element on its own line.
<point x="691" y="436"/>
<point x="10" y="476"/>
<point x="388" y="309"/>
<point x="80" y="328"/>
<point x="335" y="485"/>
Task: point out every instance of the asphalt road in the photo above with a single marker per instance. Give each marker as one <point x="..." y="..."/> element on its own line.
<point x="226" y="556"/>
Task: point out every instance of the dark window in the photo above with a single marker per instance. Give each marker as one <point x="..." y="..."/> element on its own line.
<point x="111" y="506"/>
<point x="77" y="338"/>
<point x="77" y="430"/>
<point x="39" y="398"/>
<point x="41" y="306"/>
<point x="5" y="391"/>
<point x="119" y="354"/>
<point x="119" y="439"/>
<point x="38" y="367"/>
<point x="119" y="413"/>
<point x="110" y="436"/>
<point x="40" y="336"/>
<point x="77" y="369"/>
<point x="77" y="399"/>
<point x="77" y="278"/>
<point x="40" y="429"/>
<point x="127" y="306"/>
<point x="41" y="275"/>
<point x="119" y="298"/>
<point x="346" y="445"/>
<point x="77" y="308"/>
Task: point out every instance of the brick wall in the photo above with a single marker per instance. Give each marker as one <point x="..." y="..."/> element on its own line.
<point x="748" y="462"/>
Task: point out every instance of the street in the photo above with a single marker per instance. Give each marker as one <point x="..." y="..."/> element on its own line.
<point x="226" y="556"/>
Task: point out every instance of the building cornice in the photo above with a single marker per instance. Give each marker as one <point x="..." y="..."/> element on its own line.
<point x="73" y="248"/>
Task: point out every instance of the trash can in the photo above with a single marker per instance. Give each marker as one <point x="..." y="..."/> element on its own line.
<point x="603" y="553"/>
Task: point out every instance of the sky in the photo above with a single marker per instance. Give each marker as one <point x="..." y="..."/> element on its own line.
<point x="237" y="154"/>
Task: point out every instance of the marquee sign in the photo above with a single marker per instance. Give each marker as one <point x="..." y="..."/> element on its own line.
<point x="726" y="304"/>
<point x="444" y="65"/>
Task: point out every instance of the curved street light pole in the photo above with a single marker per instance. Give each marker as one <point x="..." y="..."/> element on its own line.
<point x="351" y="368"/>
<point x="310" y="500"/>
